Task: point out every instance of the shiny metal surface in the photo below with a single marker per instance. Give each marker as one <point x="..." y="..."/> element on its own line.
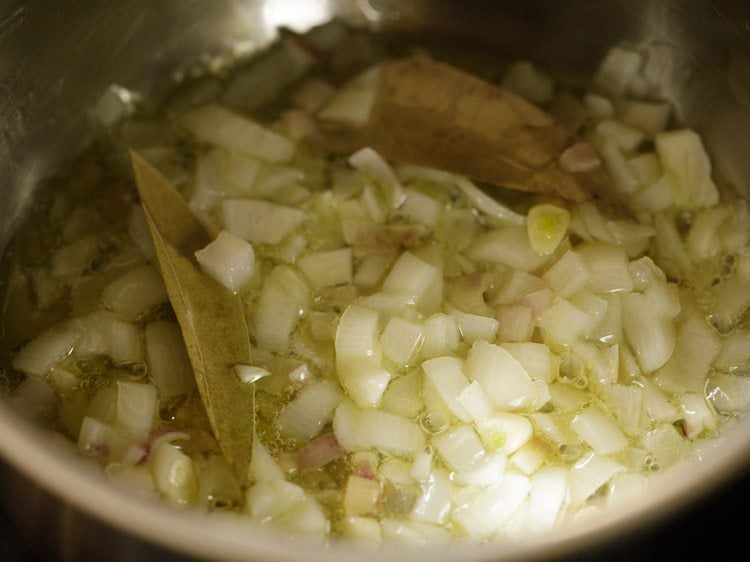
<point x="59" y="56"/>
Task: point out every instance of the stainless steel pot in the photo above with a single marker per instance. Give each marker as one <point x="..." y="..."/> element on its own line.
<point x="59" y="56"/>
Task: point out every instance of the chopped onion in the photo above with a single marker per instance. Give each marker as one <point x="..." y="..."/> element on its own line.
<point x="325" y="269"/>
<point x="487" y="204"/>
<point x="589" y="474"/>
<point x="168" y="363"/>
<point x="598" y="430"/>
<point x="447" y="377"/>
<point x="357" y="335"/>
<point x="259" y="221"/>
<point x="505" y="431"/>
<point x="401" y="340"/>
<point x="414" y="277"/>
<point x="546" y="227"/>
<point x="311" y="409"/>
<point x="283" y="298"/>
<point x="434" y="502"/>
<point x="361" y="496"/>
<point x="372" y="165"/>
<point x="218" y="126"/>
<point x="364" y="381"/>
<point x="546" y="498"/>
<point x="134" y="293"/>
<point x="250" y="373"/>
<point x="460" y="447"/>
<point x="228" y="260"/>
<point x="39" y="355"/>
<point x="504" y="379"/>
<point x="488" y="509"/>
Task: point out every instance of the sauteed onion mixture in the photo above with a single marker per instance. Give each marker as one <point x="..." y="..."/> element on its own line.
<point x="432" y="358"/>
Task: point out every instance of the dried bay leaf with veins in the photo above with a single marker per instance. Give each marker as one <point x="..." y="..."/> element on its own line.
<point x="433" y="114"/>
<point x="212" y="319"/>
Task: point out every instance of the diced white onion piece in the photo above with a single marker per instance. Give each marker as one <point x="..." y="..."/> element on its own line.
<point x="698" y="416"/>
<point x="447" y="377"/>
<point x="599" y="430"/>
<point x="729" y="394"/>
<point x="563" y="322"/>
<point x="608" y="266"/>
<point x="174" y="473"/>
<point x="357" y="429"/>
<point x="703" y="238"/>
<point x="395" y="470"/>
<point x="534" y="357"/>
<point x="390" y="433"/>
<point x="546" y="227"/>
<point x="401" y="340"/>
<point x="260" y="221"/>
<point x="307" y="520"/>
<point x="228" y="260"/>
<point x="441" y="335"/>
<point x="488" y="509"/>
<point x="362" y="529"/>
<point x="696" y="349"/>
<point x="487" y="204"/>
<point x="372" y="165"/>
<point x="528" y="81"/>
<point x="168" y="363"/>
<point x="652" y="336"/>
<point x="475" y="327"/>
<point x="546" y="498"/>
<point x="531" y="455"/>
<point x="617" y="165"/>
<point x="646" y="167"/>
<point x="219" y="126"/>
<point x="250" y="373"/>
<point x="487" y="471"/>
<point x="651" y="116"/>
<point x="371" y="270"/>
<point x="311" y="409"/>
<point x="262" y="465"/>
<point x="623" y="136"/>
<point x="518" y="284"/>
<point x="589" y="474"/>
<point x="515" y="323"/>
<point x="626" y="488"/>
<point x="598" y="106"/>
<point x="421" y="207"/>
<point x="268" y="500"/>
<point x="434" y="503"/>
<point x="48" y="348"/>
<point x="135" y="292"/>
<point x="364" y="381"/>
<point x="421" y="466"/>
<point x="403" y="396"/>
<point x="508" y="245"/>
<point x="633" y="237"/>
<point x="349" y="105"/>
<point x="475" y="401"/>
<point x="283" y="298"/>
<point x="569" y="274"/>
<point x="504" y="379"/>
<point x="686" y="162"/>
<point x="414" y="277"/>
<point x="102" y="332"/>
<point x="34" y="399"/>
<point x="566" y="397"/>
<point x="361" y="496"/>
<point x="666" y="444"/>
<point x="626" y="402"/>
<point x="326" y="269"/>
<point x="357" y="336"/>
<point x="618" y="69"/>
<point x="135" y="408"/>
<point x="505" y="431"/>
<point x="99" y="440"/>
<point x="656" y="405"/>
<point x="460" y="447"/>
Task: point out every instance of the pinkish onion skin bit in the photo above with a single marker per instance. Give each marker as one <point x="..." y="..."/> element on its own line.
<point x="579" y="157"/>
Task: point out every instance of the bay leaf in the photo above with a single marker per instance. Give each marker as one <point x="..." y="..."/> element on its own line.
<point x="211" y="318"/>
<point x="433" y="114"/>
